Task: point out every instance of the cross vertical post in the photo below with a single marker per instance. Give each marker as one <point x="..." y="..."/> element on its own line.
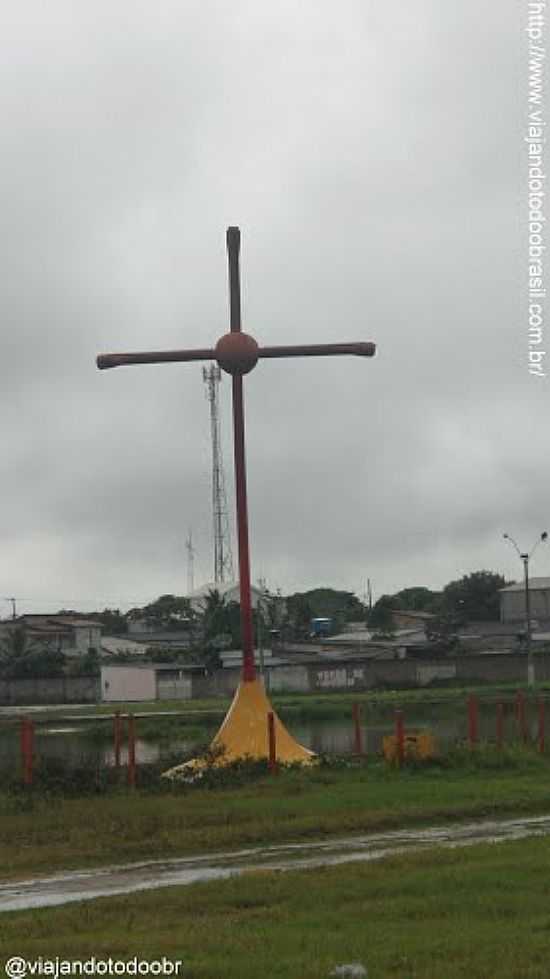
<point x="247" y="632"/>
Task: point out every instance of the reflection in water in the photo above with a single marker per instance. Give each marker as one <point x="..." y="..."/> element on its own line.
<point x="79" y="745"/>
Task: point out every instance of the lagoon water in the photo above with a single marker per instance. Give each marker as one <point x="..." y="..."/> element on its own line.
<point x="89" y="741"/>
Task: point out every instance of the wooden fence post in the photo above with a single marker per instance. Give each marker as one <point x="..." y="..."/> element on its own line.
<point x="272" y="742"/>
<point x="27" y="748"/>
<point x="131" y="751"/>
<point x="520" y="715"/>
<point x="500" y="724"/>
<point x="117" y="732"/>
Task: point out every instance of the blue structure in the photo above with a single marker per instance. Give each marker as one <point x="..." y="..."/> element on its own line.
<point x="320" y="627"/>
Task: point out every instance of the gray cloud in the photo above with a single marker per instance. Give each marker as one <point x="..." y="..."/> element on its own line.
<point x="371" y="156"/>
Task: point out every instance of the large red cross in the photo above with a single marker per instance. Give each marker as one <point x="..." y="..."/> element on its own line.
<point x="237" y="353"/>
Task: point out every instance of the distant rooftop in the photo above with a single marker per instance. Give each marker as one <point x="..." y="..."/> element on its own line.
<point x="412" y="613"/>
<point x="51" y="622"/>
<point x="158" y="667"/>
<point x="534" y="585"/>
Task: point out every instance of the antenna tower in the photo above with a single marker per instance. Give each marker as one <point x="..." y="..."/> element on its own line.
<point x="190" y="564"/>
<point x="223" y="558"/>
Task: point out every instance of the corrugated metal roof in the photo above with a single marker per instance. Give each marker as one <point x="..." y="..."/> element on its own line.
<point x="36" y="620"/>
<point x="535" y="584"/>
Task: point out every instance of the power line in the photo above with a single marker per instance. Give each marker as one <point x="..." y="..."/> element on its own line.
<point x="96" y="601"/>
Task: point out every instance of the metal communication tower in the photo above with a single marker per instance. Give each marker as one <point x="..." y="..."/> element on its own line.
<point x="223" y="558"/>
<point x="190" y="564"/>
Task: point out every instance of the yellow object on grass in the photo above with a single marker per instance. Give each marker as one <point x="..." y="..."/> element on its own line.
<point x="244" y="733"/>
<point x="416" y="746"/>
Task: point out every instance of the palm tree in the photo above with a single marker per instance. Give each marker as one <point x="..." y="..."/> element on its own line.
<point x="22" y="656"/>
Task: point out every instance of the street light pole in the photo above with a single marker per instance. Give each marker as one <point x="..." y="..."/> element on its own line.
<point x="525" y="558"/>
<point x="530" y="670"/>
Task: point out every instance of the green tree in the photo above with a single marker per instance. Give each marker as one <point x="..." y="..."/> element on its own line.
<point x="331" y="603"/>
<point x="218" y="629"/>
<point x="299" y="616"/>
<point x="169" y="612"/>
<point x="474" y="597"/>
<point x="381" y="614"/>
<point x="88" y="664"/>
<point x="417" y="599"/>
<point x="114" y="623"/>
<point x="21" y="656"/>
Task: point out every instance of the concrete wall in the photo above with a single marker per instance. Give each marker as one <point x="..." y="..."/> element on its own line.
<point x="310" y="678"/>
<point x="174" y="687"/>
<point x="51" y="690"/>
<point x="128" y="683"/>
<point x="283" y="678"/>
<point x="480" y="644"/>
<point x="372" y="674"/>
<point x="223" y="683"/>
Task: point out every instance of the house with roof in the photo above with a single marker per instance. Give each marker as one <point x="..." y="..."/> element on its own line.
<point x="411" y="619"/>
<point x="71" y="634"/>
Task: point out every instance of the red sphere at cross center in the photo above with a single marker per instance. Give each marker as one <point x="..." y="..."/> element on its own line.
<point x="237" y="353"/>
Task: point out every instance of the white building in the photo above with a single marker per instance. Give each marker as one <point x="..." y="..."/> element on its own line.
<point x="230" y="593"/>
<point x="146" y="681"/>
<point x="512" y="600"/>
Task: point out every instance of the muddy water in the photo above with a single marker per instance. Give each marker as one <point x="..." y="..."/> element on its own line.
<point x="76" y="742"/>
<point x="88" y="884"/>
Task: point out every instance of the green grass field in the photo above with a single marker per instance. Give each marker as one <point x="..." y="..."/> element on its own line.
<point x="477" y="913"/>
<point x="41" y="832"/>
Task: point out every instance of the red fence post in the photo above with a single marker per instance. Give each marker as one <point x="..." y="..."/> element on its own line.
<point x="272" y="742"/>
<point x="541" y="725"/>
<point x="131" y="751"/>
<point x="400" y="736"/>
<point x="117" y="731"/>
<point x="473" y="715"/>
<point x="500" y="724"/>
<point x="520" y="715"/>
<point x="357" y="733"/>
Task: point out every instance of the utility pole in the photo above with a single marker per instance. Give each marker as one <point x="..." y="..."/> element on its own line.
<point x="223" y="558"/>
<point x="190" y="564"/>
<point x="259" y="619"/>
<point x="13" y="607"/>
<point x="525" y="557"/>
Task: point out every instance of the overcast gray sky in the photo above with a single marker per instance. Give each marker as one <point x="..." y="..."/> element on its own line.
<point x="371" y="155"/>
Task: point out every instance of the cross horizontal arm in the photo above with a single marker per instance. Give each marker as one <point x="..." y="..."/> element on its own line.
<point x="319" y="350"/>
<point x="104" y="361"/>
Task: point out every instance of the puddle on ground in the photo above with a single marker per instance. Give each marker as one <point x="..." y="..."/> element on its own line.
<point x="128" y="878"/>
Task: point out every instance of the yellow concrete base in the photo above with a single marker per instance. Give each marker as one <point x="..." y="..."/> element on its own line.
<point x="416" y="747"/>
<point x="244" y="733"/>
